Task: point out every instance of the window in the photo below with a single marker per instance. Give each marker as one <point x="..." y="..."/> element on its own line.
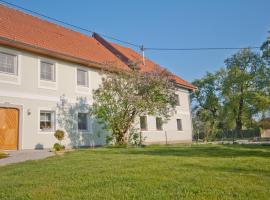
<point x="47" y="120"/>
<point x="82" y="121"/>
<point x="177" y="99"/>
<point x="179" y="125"/>
<point x="8" y="63"/>
<point x="47" y="71"/>
<point x="82" y="77"/>
<point x="143" y="122"/>
<point x="159" y="123"/>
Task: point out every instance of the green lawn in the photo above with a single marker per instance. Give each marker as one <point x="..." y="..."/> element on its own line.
<point x="155" y="172"/>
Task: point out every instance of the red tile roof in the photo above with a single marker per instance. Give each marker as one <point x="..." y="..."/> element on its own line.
<point x="149" y="65"/>
<point x="29" y="30"/>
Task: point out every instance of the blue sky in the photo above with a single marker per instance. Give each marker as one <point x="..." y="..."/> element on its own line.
<point x="170" y="23"/>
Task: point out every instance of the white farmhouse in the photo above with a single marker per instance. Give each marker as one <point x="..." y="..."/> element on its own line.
<point x="40" y="61"/>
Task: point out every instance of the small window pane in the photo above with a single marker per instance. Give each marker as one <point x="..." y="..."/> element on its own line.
<point x="82" y="77"/>
<point x="8" y="63"/>
<point x="46" y="120"/>
<point x="143" y="122"/>
<point x="47" y="71"/>
<point x="82" y="121"/>
<point x="159" y="123"/>
<point x="179" y="125"/>
<point x="177" y="100"/>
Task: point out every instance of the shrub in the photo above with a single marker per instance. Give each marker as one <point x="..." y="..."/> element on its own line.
<point x="57" y="147"/>
<point x="59" y="135"/>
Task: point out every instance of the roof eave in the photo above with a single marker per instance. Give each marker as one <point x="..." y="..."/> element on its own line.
<point x="53" y="54"/>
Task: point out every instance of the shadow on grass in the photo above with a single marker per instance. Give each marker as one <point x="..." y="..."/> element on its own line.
<point x="224" y="151"/>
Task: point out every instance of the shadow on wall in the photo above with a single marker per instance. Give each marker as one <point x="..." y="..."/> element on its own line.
<point x="67" y="118"/>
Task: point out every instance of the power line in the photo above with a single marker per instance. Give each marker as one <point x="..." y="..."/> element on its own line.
<point x="198" y="49"/>
<point x="68" y="24"/>
<point x="141" y="47"/>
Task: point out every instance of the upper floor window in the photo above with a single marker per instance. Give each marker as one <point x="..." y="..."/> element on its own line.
<point x="47" y="71"/>
<point x="143" y="122"/>
<point x="159" y="123"/>
<point x="177" y="100"/>
<point x="47" y="120"/>
<point x="8" y="63"/>
<point x="82" y="77"/>
<point x="82" y="121"/>
<point x="179" y="124"/>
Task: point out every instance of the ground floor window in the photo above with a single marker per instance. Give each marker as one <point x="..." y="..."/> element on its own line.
<point x="47" y="119"/>
<point x="143" y="122"/>
<point x="159" y="123"/>
<point x="179" y="124"/>
<point x="82" y="121"/>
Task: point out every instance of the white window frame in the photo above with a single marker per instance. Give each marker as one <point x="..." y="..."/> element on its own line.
<point x="146" y="123"/>
<point x="45" y="131"/>
<point x="17" y="76"/>
<point x="54" y="70"/>
<point x="43" y="82"/>
<point x="15" y="66"/>
<point x="87" y="126"/>
<point x="177" y="96"/>
<point x="161" y="129"/>
<point x="181" y="121"/>
<point x="87" y="73"/>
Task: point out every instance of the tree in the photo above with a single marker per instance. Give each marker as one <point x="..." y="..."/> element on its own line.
<point x="125" y="95"/>
<point x="245" y="88"/>
<point x="207" y="104"/>
<point x="265" y="48"/>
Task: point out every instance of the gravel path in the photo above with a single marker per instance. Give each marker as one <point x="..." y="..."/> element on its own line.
<point x="23" y="155"/>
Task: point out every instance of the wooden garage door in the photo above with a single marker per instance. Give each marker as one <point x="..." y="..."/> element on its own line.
<point x="9" y="128"/>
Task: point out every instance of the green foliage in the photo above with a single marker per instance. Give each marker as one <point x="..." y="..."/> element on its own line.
<point x="124" y="96"/>
<point x="135" y="137"/>
<point x="3" y="155"/>
<point x="57" y="147"/>
<point x="233" y="97"/>
<point x="109" y="139"/>
<point x="59" y="135"/>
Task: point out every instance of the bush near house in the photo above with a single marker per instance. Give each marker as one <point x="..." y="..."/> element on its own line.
<point x="3" y="155"/>
<point x="59" y="135"/>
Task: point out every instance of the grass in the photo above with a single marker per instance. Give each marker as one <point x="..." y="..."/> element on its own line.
<point x="154" y="172"/>
<point x="2" y="155"/>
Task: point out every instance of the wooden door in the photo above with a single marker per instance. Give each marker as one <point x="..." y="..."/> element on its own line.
<point x="9" y="128"/>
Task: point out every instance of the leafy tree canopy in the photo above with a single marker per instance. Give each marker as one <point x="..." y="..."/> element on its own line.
<point x="124" y="96"/>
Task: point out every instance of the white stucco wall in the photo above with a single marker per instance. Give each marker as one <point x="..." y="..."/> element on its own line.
<point x="26" y="92"/>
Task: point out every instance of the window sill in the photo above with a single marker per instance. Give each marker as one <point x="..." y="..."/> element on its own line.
<point x="47" y="80"/>
<point x="46" y="132"/>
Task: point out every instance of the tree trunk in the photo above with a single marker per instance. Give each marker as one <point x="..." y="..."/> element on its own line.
<point x="239" y="123"/>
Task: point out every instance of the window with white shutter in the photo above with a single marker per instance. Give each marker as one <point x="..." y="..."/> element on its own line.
<point x="82" y="77"/>
<point x="8" y="63"/>
<point x="47" y="71"/>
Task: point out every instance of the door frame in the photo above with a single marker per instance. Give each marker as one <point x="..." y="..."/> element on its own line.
<point x="20" y="122"/>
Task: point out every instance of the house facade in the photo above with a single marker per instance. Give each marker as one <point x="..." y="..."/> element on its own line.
<point x="43" y="65"/>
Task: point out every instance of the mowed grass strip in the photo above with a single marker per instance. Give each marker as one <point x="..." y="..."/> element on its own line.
<point x="154" y="172"/>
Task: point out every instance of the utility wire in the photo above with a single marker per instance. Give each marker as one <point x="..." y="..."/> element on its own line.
<point x="141" y="47"/>
<point x="68" y="24"/>
<point x="197" y="49"/>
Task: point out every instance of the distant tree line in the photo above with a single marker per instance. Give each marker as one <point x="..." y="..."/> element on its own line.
<point x="230" y="102"/>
